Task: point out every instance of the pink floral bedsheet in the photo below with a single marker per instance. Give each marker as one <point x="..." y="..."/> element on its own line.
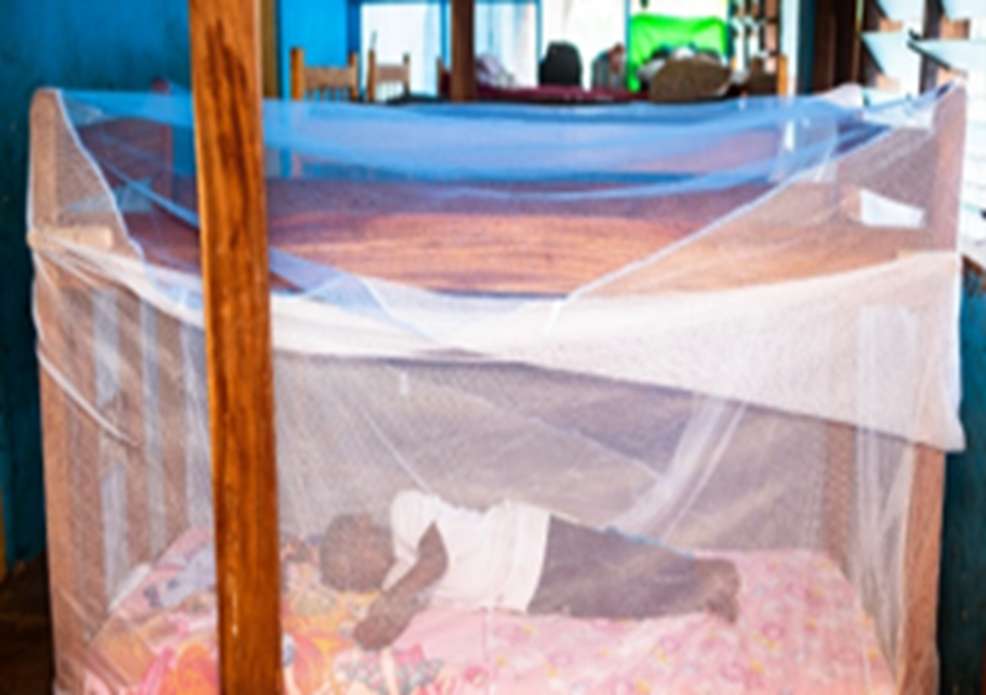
<point x="801" y="631"/>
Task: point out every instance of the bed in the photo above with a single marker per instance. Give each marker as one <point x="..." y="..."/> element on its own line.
<point x="489" y="332"/>
<point x="146" y="649"/>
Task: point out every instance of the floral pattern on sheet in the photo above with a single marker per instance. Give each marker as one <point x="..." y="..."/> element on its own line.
<point x="801" y="631"/>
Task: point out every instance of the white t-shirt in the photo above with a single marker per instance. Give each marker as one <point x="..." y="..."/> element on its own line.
<point x="494" y="557"/>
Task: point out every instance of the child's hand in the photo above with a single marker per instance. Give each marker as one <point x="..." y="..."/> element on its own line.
<point x="388" y="617"/>
<point x="720" y="584"/>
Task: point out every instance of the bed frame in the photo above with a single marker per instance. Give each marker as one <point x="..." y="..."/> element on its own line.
<point x="239" y="361"/>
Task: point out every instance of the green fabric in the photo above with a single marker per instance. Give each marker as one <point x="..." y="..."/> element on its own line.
<point x="648" y="32"/>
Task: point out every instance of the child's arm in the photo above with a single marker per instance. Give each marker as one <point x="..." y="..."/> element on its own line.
<point x="393" y="609"/>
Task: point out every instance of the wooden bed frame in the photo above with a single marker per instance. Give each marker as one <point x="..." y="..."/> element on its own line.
<point x="239" y="359"/>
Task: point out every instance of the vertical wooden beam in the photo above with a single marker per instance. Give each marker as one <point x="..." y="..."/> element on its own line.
<point x="61" y="510"/>
<point x="131" y="356"/>
<point x="354" y="67"/>
<point x="86" y="466"/>
<point x="297" y="74"/>
<point x="371" y="76"/>
<point x="233" y="213"/>
<point x="171" y="411"/>
<point x="463" y="87"/>
<point x="268" y="34"/>
<point x="823" y="66"/>
<point x="917" y="658"/>
<point x="406" y="65"/>
<point x="835" y="36"/>
<point x="944" y="203"/>
<point x="867" y="70"/>
<point x="783" y="77"/>
<point x="837" y="499"/>
<point x="931" y="30"/>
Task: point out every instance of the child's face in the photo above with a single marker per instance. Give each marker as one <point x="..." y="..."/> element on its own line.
<point x="359" y="557"/>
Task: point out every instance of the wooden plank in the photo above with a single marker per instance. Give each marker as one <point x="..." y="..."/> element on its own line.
<point x="917" y="661"/>
<point x="60" y="509"/>
<point x="866" y="67"/>
<point x="297" y="74"/>
<point x="171" y="399"/>
<point x="268" y="33"/>
<point x="354" y="68"/>
<point x="838" y="492"/>
<point x="131" y="356"/>
<point x="63" y="553"/>
<point x="835" y="38"/>
<point x="949" y="154"/>
<point x="232" y="203"/>
<point x="463" y="86"/>
<point x="783" y="76"/>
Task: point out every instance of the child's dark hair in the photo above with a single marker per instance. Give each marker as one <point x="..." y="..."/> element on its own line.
<point x="345" y="555"/>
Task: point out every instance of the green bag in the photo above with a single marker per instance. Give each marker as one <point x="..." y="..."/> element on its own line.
<point x="648" y="32"/>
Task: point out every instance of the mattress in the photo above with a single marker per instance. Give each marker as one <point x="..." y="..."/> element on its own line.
<point x="801" y="630"/>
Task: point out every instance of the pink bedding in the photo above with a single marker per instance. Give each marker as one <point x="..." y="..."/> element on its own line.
<point x="801" y="630"/>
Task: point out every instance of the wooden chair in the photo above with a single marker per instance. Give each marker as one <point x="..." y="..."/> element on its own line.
<point x="385" y="74"/>
<point x="323" y="82"/>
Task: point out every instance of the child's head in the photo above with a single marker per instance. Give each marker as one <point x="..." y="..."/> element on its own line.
<point x="356" y="553"/>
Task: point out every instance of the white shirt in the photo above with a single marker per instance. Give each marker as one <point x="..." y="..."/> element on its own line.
<point x="494" y="557"/>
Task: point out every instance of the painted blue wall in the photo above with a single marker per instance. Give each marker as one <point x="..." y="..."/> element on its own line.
<point x="962" y="607"/>
<point x="318" y="26"/>
<point x="93" y="44"/>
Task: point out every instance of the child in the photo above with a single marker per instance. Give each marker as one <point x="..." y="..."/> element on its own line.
<point x="514" y="557"/>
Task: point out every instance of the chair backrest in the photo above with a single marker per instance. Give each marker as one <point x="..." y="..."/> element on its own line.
<point x="386" y="75"/>
<point x="323" y="82"/>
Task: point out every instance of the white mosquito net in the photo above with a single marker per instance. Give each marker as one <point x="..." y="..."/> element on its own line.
<point x="671" y="384"/>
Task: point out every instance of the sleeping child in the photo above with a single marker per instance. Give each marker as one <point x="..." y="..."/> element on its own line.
<point x="513" y="557"/>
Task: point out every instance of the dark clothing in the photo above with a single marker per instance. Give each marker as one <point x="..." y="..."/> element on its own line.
<point x="604" y="574"/>
<point x="561" y="66"/>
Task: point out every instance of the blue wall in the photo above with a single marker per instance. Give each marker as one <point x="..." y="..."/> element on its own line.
<point x="94" y="44"/>
<point x="962" y="611"/>
<point x="318" y="26"/>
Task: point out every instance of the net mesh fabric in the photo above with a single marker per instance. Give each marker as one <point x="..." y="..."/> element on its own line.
<point x="730" y="329"/>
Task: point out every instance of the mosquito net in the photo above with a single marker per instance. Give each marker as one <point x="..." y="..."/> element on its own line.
<point x="591" y="400"/>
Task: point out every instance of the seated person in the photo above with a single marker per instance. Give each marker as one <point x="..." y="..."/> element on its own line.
<point x="512" y="557"/>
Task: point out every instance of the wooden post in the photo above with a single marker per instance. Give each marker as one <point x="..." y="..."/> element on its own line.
<point x="944" y="201"/>
<point x="171" y="396"/>
<point x="268" y="32"/>
<point x="131" y="357"/>
<point x="866" y="67"/>
<point x="354" y="66"/>
<point x="406" y="63"/>
<point x="837" y="499"/>
<point x="371" y="76"/>
<point x="61" y="497"/>
<point x="297" y="74"/>
<point x="783" y="88"/>
<point x="835" y="34"/>
<point x="917" y="663"/>
<point x="233" y="213"/>
<point x="463" y="87"/>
